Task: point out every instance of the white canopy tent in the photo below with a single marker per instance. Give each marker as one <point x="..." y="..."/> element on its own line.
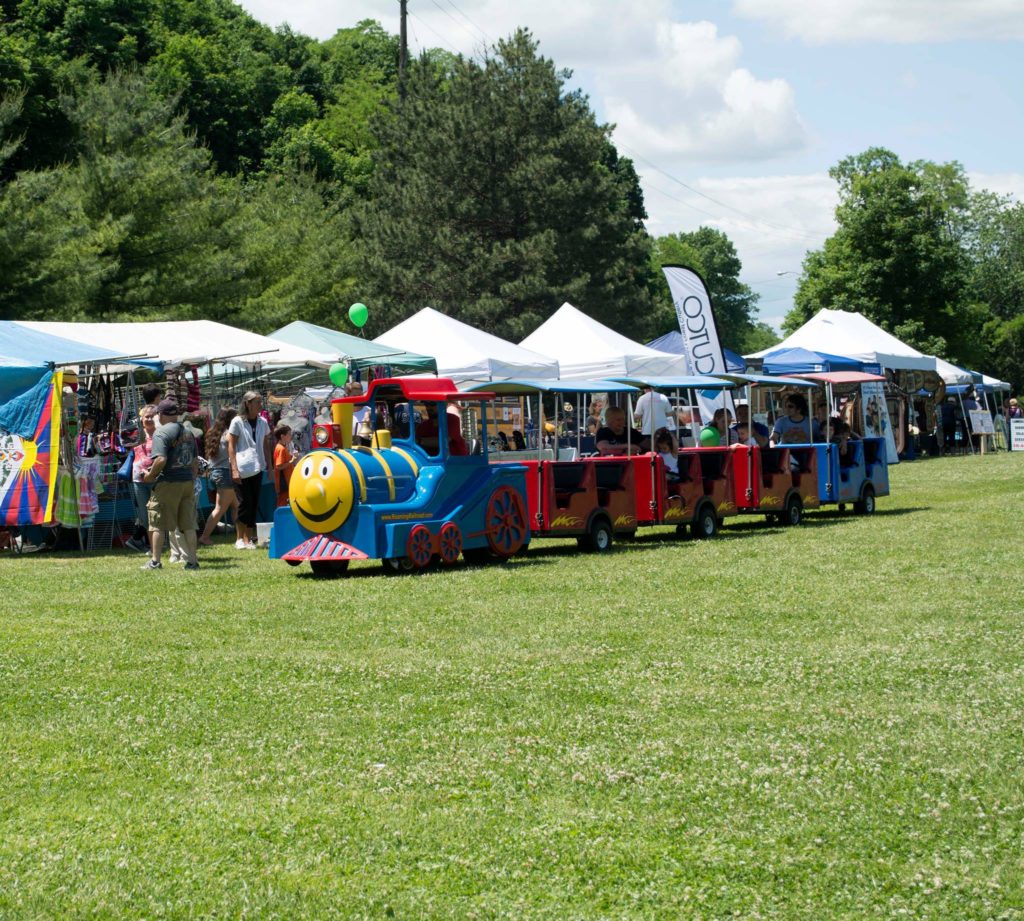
<point x="853" y="335"/>
<point x="466" y="354"/>
<point x="588" y="349"/>
<point x="175" y="343"/>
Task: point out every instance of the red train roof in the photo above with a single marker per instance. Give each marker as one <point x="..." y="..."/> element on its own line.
<point x="414" y="388"/>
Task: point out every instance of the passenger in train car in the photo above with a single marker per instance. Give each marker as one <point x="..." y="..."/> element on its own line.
<point x="665" y="447"/>
<point x="842" y="435"/>
<point x="740" y="434"/>
<point x="755" y="432"/>
<point x="615" y="439"/>
<point x="716" y="432"/>
<point x="821" y="417"/>
<point x="792" y="428"/>
<point x="457" y="446"/>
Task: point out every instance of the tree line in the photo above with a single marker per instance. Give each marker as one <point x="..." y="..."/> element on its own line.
<point x="921" y="253"/>
<point x="165" y="159"/>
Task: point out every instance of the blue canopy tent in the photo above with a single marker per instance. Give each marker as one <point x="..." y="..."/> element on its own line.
<point x="27" y="354"/>
<point x="673" y="342"/>
<point x="808" y="361"/>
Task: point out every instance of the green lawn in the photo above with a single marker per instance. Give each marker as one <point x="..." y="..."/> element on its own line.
<point x="822" y="722"/>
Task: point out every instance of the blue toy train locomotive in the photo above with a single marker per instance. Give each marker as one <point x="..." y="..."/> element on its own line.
<point x="408" y="497"/>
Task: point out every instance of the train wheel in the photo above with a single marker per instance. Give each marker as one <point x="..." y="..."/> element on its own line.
<point x="794" y="513"/>
<point x="866" y="505"/>
<point x="705" y="525"/>
<point x="506" y="522"/>
<point x="451" y="542"/>
<point x="599" y="537"/>
<point x="326" y="569"/>
<point x="419" y="547"/>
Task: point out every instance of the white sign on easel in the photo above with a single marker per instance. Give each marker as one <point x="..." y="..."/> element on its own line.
<point x="875" y="414"/>
<point x="1017" y="434"/>
<point x="981" y="422"/>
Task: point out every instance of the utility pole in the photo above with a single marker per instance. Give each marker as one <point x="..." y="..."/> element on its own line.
<point x="403" y="49"/>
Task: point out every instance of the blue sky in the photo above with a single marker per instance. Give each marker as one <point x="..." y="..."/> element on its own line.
<point x="734" y="110"/>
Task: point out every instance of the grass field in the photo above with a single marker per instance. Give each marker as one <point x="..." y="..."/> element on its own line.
<point x="822" y="722"/>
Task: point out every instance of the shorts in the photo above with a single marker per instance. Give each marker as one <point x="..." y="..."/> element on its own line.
<point x="220" y="478"/>
<point x="172" y="506"/>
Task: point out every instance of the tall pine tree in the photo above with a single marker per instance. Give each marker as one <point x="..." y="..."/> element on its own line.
<point x="496" y="196"/>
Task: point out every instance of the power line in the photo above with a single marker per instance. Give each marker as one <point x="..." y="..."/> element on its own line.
<point x="485" y="35"/>
<point x="667" y="175"/>
<point x="453" y="19"/>
<point x="444" y="41"/>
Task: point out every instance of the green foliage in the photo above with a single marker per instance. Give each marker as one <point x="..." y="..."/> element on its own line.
<point x="761" y="336"/>
<point x="1006" y="350"/>
<point x="996" y="250"/>
<point x="896" y="257"/>
<point x="493" y="200"/>
<point x="10" y="109"/>
<point x="297" y="269"/>
<point x="711" y="253"/>
<point x="53" y="258"/>
<point x="140" y="171"/>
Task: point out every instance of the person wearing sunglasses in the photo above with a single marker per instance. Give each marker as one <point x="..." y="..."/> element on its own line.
<point x="794" y="427"/>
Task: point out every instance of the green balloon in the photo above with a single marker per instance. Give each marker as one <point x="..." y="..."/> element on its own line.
<point x="338" y="374"/>
<point x="358" y="314"/>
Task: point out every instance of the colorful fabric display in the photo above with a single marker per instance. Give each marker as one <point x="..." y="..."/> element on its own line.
<point x="193" y="398"/>
<point x="67" y="500"/>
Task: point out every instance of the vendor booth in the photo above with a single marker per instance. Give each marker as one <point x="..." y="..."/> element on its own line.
<point x="99" y="402"/>
<point x="886" y="408"/>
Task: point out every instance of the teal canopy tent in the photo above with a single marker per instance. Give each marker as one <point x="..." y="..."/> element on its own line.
<point x="359" y="353"/>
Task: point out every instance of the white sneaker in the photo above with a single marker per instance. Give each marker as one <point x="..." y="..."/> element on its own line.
<point x="241" y="545"/>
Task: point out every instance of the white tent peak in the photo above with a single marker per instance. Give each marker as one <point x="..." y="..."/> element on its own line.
<point x="586" y="348"/>
<point x="852" y="335"/>
<point x="466" y="354"/>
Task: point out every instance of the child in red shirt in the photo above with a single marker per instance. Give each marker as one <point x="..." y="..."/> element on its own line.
<point x="284" y="461"/>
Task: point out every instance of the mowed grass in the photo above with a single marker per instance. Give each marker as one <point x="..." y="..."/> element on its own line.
<point x="821" y="722"/>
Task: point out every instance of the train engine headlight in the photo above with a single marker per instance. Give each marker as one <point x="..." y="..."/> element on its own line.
<point x="320" y="492"/>
<point x="323" y="437"/>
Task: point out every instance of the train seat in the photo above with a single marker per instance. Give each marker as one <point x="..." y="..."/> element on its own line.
<point x="567" y="480"/>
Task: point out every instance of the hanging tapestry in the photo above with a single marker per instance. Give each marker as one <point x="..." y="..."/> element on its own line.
<point x="28" y="466"/>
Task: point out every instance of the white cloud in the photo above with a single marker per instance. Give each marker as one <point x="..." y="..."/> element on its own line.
<point x="1011" y="184"/>
<point x="772" y="220"/>
<point x="898" y="21"/>
<point x="692" y="101"/>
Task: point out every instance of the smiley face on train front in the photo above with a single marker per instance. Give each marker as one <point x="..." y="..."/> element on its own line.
<point x="320" y="492"/>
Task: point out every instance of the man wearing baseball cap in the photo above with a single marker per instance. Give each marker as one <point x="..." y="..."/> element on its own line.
<point x="172" y="503"/>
